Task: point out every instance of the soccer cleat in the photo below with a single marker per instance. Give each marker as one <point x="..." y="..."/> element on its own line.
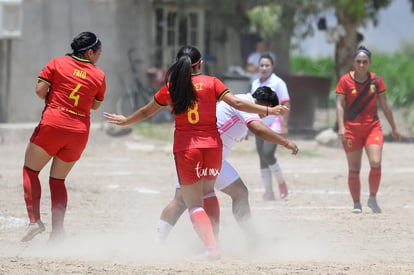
<point x="33" y="229"/>
<point x="283" y="190"/>
<point x="357" y="208"/>
<point x="269" y="196"/>
<point x="210" y="255"/>
<point x="372" y="203"/>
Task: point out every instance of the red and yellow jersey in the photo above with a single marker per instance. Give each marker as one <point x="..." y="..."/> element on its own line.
<point x="360" y="98"/>
<point x="197" y="127"/>
<point x="74" y="85"/>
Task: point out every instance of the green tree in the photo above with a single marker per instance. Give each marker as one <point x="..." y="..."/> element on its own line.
<point x="276" y="20"/>
<point x="350" y="15"/>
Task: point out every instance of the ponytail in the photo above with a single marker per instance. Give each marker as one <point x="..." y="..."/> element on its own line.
<point x="181" y="87"/>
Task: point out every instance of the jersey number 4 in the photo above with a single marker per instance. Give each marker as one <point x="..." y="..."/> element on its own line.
<point x="75" y="96"/>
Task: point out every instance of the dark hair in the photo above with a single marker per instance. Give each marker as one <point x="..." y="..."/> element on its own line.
<point x="265" y="95"/>
<point x="364" y="50"/>
<point x="83" y="42"/>
<point x="267" y="56"/>
<point x="181" y="88"/>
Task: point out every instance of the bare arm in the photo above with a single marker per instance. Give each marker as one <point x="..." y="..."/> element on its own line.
<point x="284" y="129"/>
<point x="251" y="68"/>
<point x="42" y="88"/>
<point x="139" y="115"/>
<point x="261" y="130"/>
<point x="246" y="106"/>
<point x="386" y="108"/>
<point x="340" y="106"/>
<point x="96" y="104"/>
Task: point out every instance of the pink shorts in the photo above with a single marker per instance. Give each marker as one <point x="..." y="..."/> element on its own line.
<point x="360" y="135"/>
<point x="198" y="163"/>
<point x="66" y="145"/>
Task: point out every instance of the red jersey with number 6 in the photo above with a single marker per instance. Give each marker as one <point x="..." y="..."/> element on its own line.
<point x="197" y="127"/>
<point x="74" y="85"/>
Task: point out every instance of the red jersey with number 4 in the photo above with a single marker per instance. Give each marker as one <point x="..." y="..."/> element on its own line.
<point x="74" y="85"/>
<point x="360" y="98"/>
<point x="197" y="128"/>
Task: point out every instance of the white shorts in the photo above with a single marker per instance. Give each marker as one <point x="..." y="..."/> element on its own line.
<point x="227" y="176"/>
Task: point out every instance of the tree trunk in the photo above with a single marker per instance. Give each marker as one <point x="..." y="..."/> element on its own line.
<point x="280" y="44"/>
<point x="346" y="45"/>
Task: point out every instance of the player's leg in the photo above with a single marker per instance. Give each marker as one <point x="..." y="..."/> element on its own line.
<point x="241" y="210"/>
<point x="212" y="163"/>
<point x="169" y="216"/>
<point x="230" y="183"/>
<point x="374" y="152"/>
<point x="354" y="182"/>
<point x="192" y="171"/>
<point x="265" y="172"/>
<point x="269" y="150"/>
<point x="72" y="146"/>
<point x="35" y="159"/>
<point x="193" y="198"/>
<point x="353" y="144"/>
<point x="59" y="197"/>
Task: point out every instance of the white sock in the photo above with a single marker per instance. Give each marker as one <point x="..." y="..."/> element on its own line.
<point x="163" y="229"/>
<point x="267" y="179"/>
<point x="277" y="172"/>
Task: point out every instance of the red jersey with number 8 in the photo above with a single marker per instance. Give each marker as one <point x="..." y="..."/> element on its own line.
<point x="197" y="127"/>
<point x="74" y="85"/>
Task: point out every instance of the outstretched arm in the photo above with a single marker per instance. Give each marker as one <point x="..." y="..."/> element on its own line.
<point x="261" y="130"/>
<point x="139" y="115"/>
<point x="246" y="106"/>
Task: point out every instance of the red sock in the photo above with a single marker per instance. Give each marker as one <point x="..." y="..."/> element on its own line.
<point x="59" y="199"/>
<point x="354" y="185"/>
<point x="32" y="193"/>
<point x="212" y="208"/>
<point x="374" y="180"/>
<point x="202" y="226"/>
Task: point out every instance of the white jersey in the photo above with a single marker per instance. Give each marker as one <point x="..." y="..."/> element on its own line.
<point x="232" y="123"/>
<point x="278" y="85"/>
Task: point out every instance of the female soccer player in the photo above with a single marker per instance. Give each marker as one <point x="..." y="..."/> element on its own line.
<point x="71" y="86"/>
<point x="233" y="126"/>
<point x="357" y="94"/>
<point x="269" y="165"/>
<point x="197" y="144"/>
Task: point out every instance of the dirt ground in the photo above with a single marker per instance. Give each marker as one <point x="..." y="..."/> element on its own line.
<point x="119" y="187"/>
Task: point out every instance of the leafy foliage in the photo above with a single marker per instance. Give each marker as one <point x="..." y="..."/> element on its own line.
<point x="265" y="20"/>
<point x="395" y="69"/>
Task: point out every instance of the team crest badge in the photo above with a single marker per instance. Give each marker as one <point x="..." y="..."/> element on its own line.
<point x="349" y="142"/>
<point x="373" y="88"/>
<point x="353" y="92"/>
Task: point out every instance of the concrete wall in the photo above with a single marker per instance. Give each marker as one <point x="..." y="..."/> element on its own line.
<point x="48" y="29"/>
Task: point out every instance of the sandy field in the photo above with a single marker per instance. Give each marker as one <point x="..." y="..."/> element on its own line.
<point x="119" y="187"/>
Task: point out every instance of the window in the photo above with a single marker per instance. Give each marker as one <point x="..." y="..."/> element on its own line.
<point x="175" y="28"/>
